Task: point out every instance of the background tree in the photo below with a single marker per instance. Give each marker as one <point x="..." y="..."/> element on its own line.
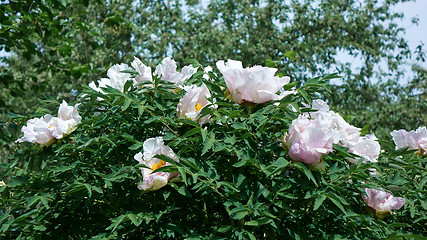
<point x="57" y="45"/>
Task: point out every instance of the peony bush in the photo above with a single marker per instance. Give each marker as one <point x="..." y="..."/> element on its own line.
<point x="195" y="153"/>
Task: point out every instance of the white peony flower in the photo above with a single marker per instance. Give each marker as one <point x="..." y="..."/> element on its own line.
<point x="367" y="147"/>
<point x="46" y="129"/>
<point x="207" y="70"/>
<point x="319" y="105"/>
<point x="166" y="70"/>
<point x="143" y="71"/>
<point x="415" y="140"/>
<point x="193" y="102"/>
<point x="343" y="130"/>
<point x="116" y="78"/>
<point x="67" y="120"/>
<point x="38" y="131"/>
<point x="154" y="181"/>
<point x="255" y="84"/>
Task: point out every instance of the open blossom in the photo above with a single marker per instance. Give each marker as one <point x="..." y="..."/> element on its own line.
<point x="46" y="129"/>
<point x="116" y="78"/>
<point x="193" y="102"/>
<point x="329" y="119"/>
<point x="307" y="145"/>
<point x="207" y="70"/>
<point x="154" y="181"/>
<point x="308" y="141"/>
<point x="67" y="120"/>
<point x="254" y="84"/>
<point x="367" y="147"/>
<point x="144" y="72"/>
<point x="38" y="131"/>
<point x="318" y="105"/>
<point x="382" y="202"/>
<point x="342" y="129"/>
<point x="166" y="70"/>
<point x="415" y="139"/>
<point x="345" y="134"/>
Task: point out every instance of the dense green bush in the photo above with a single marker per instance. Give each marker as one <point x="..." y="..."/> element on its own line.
<point x="236" y="179"/>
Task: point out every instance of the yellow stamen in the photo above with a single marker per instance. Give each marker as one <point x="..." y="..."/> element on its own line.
<point x="198" y="107"/>
<point x="158" y="165"/>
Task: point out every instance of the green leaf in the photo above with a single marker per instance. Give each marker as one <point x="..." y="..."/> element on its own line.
<point x="44" y="201"/>
<point x="182" y="174"/>
<point x="133" y="219"/>
<point x="32" y="200"/>
<point x="141" y="110"/>
<point x="337" y="202"/>
<point x="40" y="228"/>
<point x="184" y="191"/>
<point x="169" y="168"/>
<point x="290" y="54"/>
<point x="128" y="85"/>
<point x="306" y="171"/>
<point x="64" y="168"/>
<point x="239" y="212"/>
<point x="193" y="62"/>
<point x="191" y="132"/>
<point x="208" y="144"/>
<point x="305" y="96"/>
<point x="116" y="222"/>
<point x="240" y="164"/>
<point x="319" y="201"/>
<point x="289" y="86"/>
<point x="224" y="229"/>
<point x="271" y="63"/>
<point x="281" y="163"/>
<point x="136" y="146"/>
<point x="126" y="104"/>
<point x="258" y="222"/>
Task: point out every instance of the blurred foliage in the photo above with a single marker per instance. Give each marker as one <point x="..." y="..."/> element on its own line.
<point x="385" y="106"/>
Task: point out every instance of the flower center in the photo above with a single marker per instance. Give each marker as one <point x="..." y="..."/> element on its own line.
<point x="158" y="165"/>
<point x="198" y="107"/>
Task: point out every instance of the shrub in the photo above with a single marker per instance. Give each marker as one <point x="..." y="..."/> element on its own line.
<point x="228" y="176"/>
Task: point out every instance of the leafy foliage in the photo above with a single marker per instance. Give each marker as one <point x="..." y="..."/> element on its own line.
<point x="237" y="181"/>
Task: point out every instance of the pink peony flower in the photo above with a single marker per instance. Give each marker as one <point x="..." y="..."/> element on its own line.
<point x="255" y="84"/>
<point x="345" y="134"/>
<point x="308" y="141"/>
<point x="415" y="140"/>
<point x="382" y="202"/>
<point x="154" y="181"/>
<point x="312" y="135"/>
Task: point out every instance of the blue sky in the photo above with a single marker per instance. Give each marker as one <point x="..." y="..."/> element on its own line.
<point x="415" y="34"/>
